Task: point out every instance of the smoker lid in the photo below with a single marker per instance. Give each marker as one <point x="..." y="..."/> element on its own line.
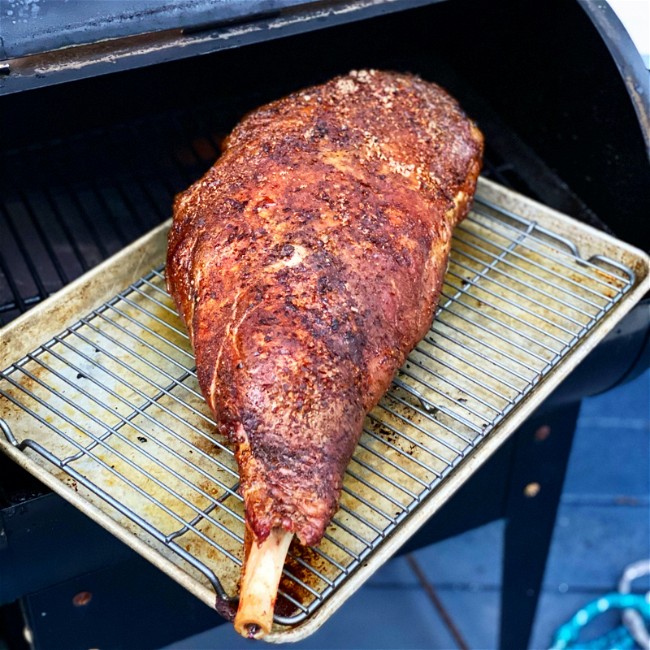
<point x="48" y="41"/>
<point x="34" y="26"/>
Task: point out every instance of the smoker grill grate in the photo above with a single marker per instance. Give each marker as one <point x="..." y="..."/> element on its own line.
<point x="116" y="410"/>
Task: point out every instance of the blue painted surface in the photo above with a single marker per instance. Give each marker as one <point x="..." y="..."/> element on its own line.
<point x="603" y="525"/>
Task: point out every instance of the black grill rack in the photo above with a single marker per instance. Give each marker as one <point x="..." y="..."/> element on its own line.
<point x="71" y="203"/>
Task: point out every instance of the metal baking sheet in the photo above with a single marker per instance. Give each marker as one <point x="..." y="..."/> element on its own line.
<point x="99" y="400"/>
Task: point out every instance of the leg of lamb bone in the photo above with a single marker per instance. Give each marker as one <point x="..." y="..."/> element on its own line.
<point x="261" y="577"/>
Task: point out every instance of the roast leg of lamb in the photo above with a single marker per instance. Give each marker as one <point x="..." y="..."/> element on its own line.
<point x="306" y="264"/>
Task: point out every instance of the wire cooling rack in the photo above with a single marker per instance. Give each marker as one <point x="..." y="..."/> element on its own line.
<point x="112" y="406"/>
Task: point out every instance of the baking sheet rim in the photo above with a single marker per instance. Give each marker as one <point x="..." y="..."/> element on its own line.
<point x="19" y="335"/>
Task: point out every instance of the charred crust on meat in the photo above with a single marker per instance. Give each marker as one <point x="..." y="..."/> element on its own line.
<point x="306" y="263"/>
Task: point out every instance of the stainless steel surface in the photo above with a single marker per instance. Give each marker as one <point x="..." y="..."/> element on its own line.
<point x="107" y="410"/>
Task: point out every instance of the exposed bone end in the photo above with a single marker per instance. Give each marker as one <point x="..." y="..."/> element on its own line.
<point x="259" y="587"/>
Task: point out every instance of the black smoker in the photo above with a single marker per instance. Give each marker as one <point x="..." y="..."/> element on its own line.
<point x="110" y="108"/>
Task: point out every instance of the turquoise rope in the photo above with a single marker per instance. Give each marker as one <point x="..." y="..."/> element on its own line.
<point x="618" y="639"/>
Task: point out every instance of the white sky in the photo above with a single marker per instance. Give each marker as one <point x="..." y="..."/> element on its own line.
<point x="635" y="15"/>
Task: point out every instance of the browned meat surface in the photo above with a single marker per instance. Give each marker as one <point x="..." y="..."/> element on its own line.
<point x="307" y="263"/>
